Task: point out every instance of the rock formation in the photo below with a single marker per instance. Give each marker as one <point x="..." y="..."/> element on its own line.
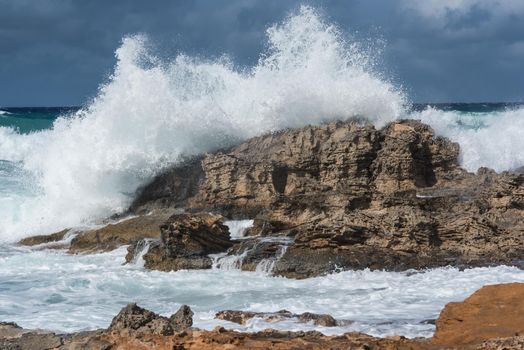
<point x="241" y="317"/>
<point x="136" y="321"/>
<point x="124" y="232"/>
<point x="355" y="197"/>
<point x="343" y="195"/>
<point x="186" y="242"/>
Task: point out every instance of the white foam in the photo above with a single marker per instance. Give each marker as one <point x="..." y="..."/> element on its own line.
<point x="152" y="112"/>
<point x="237" y="228"/>
<point x="495" y="140"/>
<point x="62" y="292"/>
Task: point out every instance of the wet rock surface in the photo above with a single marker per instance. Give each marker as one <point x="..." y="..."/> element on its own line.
<point x="241" y="317"/>
<point x="253" y="254"/>
<point x="354" y="197"/>
<point x="114" y="235"/>
<point x="44" y="239"/>
<point x="186" y="242"/>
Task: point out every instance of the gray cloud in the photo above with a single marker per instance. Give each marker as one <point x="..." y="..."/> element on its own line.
<point x="57" y="52"/>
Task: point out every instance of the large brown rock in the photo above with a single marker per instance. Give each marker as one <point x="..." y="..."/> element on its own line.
<point x="357" y="197"/>
<point x="186" y="242"/>
<point x="495" y="311"/>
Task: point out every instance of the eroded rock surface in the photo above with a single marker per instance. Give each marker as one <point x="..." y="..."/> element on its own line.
<point x="355" y="197"/>
<point x="491" y="319"/>
<point x="114" y="235"/>
<point x="13" y="337"/>
<point x="134" y="321"/>
<point x="186" y="242"/>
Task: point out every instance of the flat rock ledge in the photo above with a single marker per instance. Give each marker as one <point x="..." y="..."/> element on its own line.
<point x="489" y="319"/>
<point x="242" y="317"/>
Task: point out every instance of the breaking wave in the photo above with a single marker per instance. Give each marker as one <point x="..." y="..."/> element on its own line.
<point x="494" y="139"/>
<point x="152" y="112"/>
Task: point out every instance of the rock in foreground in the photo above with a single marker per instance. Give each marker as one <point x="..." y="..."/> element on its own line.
<point x="495" y="311"/>
<point x="491" y="319"/>
<point x="135" y="321"/>
<point x="241" y="317"/>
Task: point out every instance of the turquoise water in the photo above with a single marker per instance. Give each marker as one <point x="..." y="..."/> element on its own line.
<point x="31" y="119"/>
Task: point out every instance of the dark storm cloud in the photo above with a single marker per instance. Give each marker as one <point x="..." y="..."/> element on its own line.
<point x="56" y="52"/>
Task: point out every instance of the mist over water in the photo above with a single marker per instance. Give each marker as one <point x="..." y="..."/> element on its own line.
<point x="153" y="112"/>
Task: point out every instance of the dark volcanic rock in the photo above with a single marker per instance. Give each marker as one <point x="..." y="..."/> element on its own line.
<point x="186" y="242"/>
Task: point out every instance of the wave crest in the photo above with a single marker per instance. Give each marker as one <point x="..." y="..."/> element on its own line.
<point x="152" y="112"/>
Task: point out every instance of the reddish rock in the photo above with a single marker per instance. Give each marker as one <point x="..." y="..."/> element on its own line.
<point x="495" y="311"/>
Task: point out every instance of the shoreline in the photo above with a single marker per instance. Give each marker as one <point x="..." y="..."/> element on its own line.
<point x="321" y="199"/>
<point x="490" y="318"/>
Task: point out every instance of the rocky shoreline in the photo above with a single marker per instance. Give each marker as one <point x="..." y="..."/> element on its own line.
<point x="324" y="198"/>
<point x="491" y="318"/>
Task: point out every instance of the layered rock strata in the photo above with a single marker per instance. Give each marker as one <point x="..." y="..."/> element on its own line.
<point x="354" y="197"/>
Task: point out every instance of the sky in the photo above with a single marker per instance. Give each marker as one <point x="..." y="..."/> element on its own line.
<point x="58" y="52"/>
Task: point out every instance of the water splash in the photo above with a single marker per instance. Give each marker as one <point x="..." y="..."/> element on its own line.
<point x="153" y="112"/>
<point x="237" y="228"/>
<point x="491" y="139"/>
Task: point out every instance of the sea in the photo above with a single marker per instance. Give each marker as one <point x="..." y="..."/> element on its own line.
<point x="71" y="167"/>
